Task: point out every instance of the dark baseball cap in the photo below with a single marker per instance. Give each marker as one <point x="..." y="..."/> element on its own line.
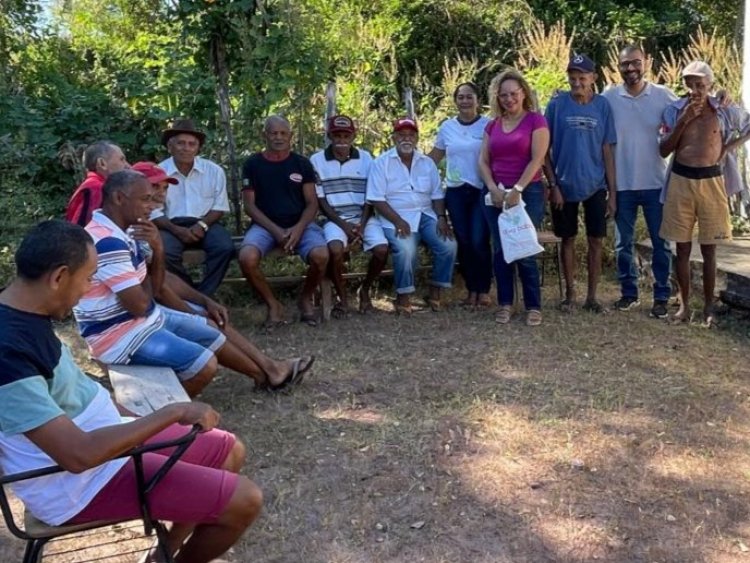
<point x="581" y="62"/>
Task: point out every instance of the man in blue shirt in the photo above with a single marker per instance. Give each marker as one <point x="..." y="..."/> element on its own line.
<point x="581" y="169"/>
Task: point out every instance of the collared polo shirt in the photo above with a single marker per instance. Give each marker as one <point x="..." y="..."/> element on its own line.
<point x="409" y="192"/>
<point x="342" y="184"/>
<point x="204" y="189"/>
<point x="112" y="332"/>
<point x="637" y="122"/>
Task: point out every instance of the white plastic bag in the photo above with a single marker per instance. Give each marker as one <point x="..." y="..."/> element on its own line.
<point x="517" y="233"/>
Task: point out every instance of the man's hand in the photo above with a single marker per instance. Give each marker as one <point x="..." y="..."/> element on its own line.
<point x="693" y="109"/>
<point x="198" y="413"/>
<point x="403" y="230"/>
<point x="556" y="198"/>
<point x="443" y="228"/>
<point x="353" y="232"/>
<point x="185" y="235"/>
<point x="146" y="231"/>
<point x="197" y="231"/>
<point x="611" y="206"/>
<point x="295" y="234"/>
<point x="217" y="312"/>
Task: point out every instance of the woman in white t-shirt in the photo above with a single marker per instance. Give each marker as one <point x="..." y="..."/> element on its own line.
<point x="459" y="140"/>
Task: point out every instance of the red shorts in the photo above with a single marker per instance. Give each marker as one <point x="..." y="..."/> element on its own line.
<point x="194" y="491"/>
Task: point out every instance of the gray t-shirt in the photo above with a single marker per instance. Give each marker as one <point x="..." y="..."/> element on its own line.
<point x="637" y="121"/>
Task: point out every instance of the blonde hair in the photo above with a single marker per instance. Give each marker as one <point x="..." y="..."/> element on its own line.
<point x="529" y="102"/>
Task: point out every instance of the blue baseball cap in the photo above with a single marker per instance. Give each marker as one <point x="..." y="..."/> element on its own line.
<point x="581" y="63"/>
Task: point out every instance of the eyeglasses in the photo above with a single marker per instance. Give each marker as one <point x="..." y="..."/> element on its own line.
<point x="507" y="95"/>
<point x="635" y="63"/>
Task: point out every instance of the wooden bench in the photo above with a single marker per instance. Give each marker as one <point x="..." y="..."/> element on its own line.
<point x="145" y="389"/>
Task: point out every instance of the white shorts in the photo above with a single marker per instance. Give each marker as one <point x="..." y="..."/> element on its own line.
<point x="372" y="237"/>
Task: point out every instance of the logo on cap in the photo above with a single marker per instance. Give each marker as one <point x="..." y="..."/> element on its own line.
<point x="578" y="59"/>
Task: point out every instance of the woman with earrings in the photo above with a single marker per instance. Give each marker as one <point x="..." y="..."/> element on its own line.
<point x="458" y="141"/>
<point x="511" y="156"/>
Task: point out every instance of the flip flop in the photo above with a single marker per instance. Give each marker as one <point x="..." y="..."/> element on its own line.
<point x="269" y="325"/>
<point x="310" y="319"/>
<point x="295" y="377"/>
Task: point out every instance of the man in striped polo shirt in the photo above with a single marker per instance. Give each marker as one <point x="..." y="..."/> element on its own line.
<point x="342" y="171"/>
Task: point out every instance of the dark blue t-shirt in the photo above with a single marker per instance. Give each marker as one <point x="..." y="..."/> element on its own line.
<point x="278" y="186"/>
<point x="578" y="132"/>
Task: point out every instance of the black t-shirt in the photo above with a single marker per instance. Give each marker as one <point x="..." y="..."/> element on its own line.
<point x="278" y="186"/>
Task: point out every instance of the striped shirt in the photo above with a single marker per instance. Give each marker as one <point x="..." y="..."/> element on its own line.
<point x="112" y="332"/>
<point x="343" y="184"/>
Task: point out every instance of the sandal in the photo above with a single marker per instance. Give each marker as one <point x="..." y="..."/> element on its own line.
<point x="434" y="304"/>
<point x="340" y="311"/>
<point x="484" y="301"/>
<point x="503" y="314"/>
<point x="533" y="317"/>
<point x="403" y="310"/>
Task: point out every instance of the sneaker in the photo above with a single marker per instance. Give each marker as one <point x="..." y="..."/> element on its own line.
<point x="627" y="303"/>
<point x="659" y="310"/>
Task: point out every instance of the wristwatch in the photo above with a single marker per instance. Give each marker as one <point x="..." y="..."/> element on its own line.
<point x="519" y="188"/>
<point x="202" y="224"/>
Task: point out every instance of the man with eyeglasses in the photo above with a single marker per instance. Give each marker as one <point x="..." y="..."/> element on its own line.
<point x="637" y="106"/>
<point x="703" y="133"/>
<point x="580" y="169"/>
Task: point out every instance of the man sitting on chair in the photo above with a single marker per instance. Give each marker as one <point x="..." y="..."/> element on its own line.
<point x="70" y="420"/>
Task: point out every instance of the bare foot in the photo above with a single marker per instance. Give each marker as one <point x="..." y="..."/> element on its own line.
<point x="681" y="316"/>
<point x="275" y="314"/>
<point x="365" y="303"/>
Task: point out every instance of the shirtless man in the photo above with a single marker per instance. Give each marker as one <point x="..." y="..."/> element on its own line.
<point x="702" y="134"/>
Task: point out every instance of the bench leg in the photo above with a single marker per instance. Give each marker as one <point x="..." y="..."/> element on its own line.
<point x="326" y="298"/>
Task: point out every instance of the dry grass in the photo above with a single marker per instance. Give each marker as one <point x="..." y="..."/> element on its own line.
<point x="447" y="438"/>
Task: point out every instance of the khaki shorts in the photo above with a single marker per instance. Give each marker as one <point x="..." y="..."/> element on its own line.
<point x="696" y="194"/>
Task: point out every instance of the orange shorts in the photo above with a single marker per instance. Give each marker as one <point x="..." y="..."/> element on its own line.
<point x="696" y="194"/>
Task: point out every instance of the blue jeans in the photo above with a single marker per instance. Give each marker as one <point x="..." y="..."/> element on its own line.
<point x="464" y="204"/>
<point x="404" y="255"/>
<point x="627" y="211"/>
<point x="185" y="343"/>
<point x="528" y="269"/>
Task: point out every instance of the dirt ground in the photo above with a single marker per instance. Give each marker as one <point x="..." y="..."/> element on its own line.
<point x="448" y="438"/>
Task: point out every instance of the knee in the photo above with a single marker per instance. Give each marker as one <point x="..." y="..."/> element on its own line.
<point x="245" y="504"/>
<point x="236" y="457"/>
<point x="249" y="258"/>
<point x="198" y="382"/>
<point x="336" y="251"/>
<point x="380" y="252"/>
<point x="318" y="257"/>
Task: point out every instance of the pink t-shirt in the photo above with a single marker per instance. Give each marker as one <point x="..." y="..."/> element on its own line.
<point x="510" y="153"/>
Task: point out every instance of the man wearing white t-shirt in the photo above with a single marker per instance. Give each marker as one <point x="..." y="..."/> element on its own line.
<point x="194" y="207"/>
<point x="342" y="171"/>
<point x="637" y="106"/>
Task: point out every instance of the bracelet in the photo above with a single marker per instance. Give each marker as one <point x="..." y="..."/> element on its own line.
<point x="519" y="188"/>
<point x="202" y="224"/>
<point x="443" y="215"/>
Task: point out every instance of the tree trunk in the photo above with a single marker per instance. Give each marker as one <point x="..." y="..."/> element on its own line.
<point x="219" y="66"/>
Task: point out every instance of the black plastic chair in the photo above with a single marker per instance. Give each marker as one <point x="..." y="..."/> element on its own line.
<point x="36" y="533"/>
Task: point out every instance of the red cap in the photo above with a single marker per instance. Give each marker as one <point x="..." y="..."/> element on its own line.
<point x="154" y="174"/>
<point x="405" y="123"/>
<point x="341" y="123"/>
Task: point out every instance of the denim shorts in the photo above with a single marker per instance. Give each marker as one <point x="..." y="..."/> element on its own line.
<point x="258" y="237"/>
<point x="186" y="343"/>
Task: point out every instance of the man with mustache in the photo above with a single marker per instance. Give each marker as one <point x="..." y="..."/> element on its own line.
<point x="342" y="171"/>
<point x="637" y="107"/>
<point x="404" y="187"/>
<point x="703" y="135"/>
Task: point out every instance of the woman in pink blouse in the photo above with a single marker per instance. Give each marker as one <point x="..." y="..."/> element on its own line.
<point x="510" y="163"/>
